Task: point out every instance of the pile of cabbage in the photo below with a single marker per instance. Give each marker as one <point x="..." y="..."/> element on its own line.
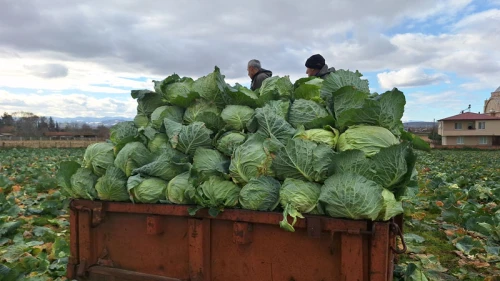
<point x="321" y="147"/>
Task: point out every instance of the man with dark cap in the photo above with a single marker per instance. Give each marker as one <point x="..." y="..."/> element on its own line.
<point x="316" y="66"/>
<point x="257" y="74"/>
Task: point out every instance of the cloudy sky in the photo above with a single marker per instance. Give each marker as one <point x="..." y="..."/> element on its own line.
<point x="67" y="60"/>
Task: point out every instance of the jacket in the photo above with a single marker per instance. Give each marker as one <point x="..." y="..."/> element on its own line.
<point x="325" y="71"/>
<point x="259" y="77"/>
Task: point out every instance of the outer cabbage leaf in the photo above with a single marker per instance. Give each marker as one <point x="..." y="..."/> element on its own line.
<point x="217" y="194"/>
<point x="160" y="144"/>
<point x="179" y="188"/>
<point x="308" y="88"/>
<point x="66" y="170"/>
<point x="180" y="93"/>
<point x="132" y="156"/>
<point x="205" y="112"/>
<point x="141" y="120"/>
<point x="297" y="197"/>
<point x="260" y="194"/>
<point x="391" y="207"/>
<point x="229" y="141"/>
<point x="83" y="184"/>
<point x="147" y="101"/>
<point x="319" y="136"/>
<point x="123" y="133"/>
<point x="174" y="113"/>
<point x="166" y="166"/>
<point x="341" y="78"/>
<point x="146" y="190"/>
<point x="310" y="114"/>
<point x="98" y="157"/>
<point x="384" y="110"/>
<point x="112" y="186"/>
<point x="272" y="125"/>
<point x="239" y="95"/>
<point x="303" y="159"/>
<point x="212" y="87"/>
<point x="274" y="88"/>
<point x="250" y="160"/>
<point x="353" y="161"/>
<point x="237" y="116"/>
<point x="369" y="139"/>
<point x="389" y="166"/>
<point x="351" y="196"/>
<point x="187" y="139"/>
<point x="209" y="162"/>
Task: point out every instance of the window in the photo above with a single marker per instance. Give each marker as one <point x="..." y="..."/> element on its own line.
<point x="483" y="140"/>
<point x="481" y="125"/>
<point x="458" y="126"/>
<point x="460" y="140"/>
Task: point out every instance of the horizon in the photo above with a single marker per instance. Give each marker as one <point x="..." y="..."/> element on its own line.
<point x="442" y="55"/>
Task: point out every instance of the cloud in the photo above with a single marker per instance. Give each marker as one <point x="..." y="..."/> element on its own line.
<point x="409" y="77"/>
<point x="51" y="70"/>
<point x="67" y="105"/>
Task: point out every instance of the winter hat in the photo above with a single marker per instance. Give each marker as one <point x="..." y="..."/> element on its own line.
<point x="315" y="62"/>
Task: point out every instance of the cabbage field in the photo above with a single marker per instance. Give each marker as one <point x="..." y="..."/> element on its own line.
<point x="452" y="227"/>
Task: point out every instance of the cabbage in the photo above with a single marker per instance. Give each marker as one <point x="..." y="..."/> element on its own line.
<point x="260" y="194"/>
<point x="328" y="137"/>
<point x="209" y="162"/>
<point x="369" y="139"/>
<point x="132" y="156"/>
<point x="146" y="189"/>
<point x="352" y="196"/>
<point x="391" y="207"/>
<point x="147" y="101"/>
<point x="179" y="189"/>
<point x="187" y="139"/>
<point x="310" y="114"/>
<point x="112" y="186"/>
<point x="83" y="184"/>
<point x="205" y="112"/>
<point x="216" y="194"/>
<point x="166" y="166"/>
<point x="250" y="160"/>
<point x="304" y="160"/>
<point x="297" y="197"/>
<point x="174" y="113"/>
<point x="229" y="142"/>
<point x="308" y="88"/>
<point x="141" y="120"/>
<point x="237" y="116"/>
<point x="98" y="157"/>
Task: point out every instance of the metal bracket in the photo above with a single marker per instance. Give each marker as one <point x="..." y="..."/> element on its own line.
<point x="94" y="207"/>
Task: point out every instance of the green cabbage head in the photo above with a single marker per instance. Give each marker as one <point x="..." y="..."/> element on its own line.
<point x="369" y="139"/>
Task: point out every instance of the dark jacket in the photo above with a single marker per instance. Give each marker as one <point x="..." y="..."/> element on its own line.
<point x="325" y="71"/>
<point x="259" y="77"/>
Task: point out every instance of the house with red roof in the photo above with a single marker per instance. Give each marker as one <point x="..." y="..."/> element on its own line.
<point x="473" y="129"/>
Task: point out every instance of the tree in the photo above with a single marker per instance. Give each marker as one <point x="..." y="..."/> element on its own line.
<point x="7" y="120"/>
<point x="52" y="125"/>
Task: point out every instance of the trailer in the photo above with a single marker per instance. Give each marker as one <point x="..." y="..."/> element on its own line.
<point x="162" y="242"/>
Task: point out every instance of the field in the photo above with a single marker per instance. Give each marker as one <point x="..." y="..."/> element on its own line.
<point x="452" y="223"/>
<point x="47" y="143"/>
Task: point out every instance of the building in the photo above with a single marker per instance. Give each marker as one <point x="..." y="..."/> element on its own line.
<point x="473" y="129"/>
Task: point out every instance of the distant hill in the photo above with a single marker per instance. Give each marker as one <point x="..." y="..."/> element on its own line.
<point x="92" y="121"/>
<point x="418" y="124"/>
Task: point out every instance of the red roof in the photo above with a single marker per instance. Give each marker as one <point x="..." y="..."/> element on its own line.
<point x="471" y="116"/>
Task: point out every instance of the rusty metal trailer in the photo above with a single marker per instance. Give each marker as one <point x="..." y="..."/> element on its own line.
<point x="154" y="242"/>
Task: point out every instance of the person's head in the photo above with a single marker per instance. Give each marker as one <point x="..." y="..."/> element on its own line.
<point x="314" y="64"/>
<point x="253" y="67"/>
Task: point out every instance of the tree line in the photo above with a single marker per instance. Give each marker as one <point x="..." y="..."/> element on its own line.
<point x="27" y="124"/>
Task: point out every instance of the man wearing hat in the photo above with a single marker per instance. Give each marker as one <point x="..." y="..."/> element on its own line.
<point x="316" y="66"/>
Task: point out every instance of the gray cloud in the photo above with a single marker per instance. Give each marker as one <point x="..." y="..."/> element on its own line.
<point x="51" y="70"/>
<point x="191" y="37"/>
